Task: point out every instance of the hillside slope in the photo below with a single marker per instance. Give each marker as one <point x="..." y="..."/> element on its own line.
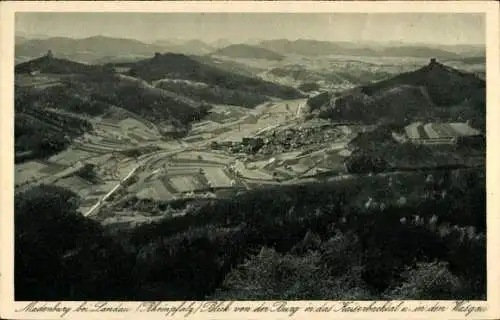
<point x="446" y="86"/>
<point x="39" y="132"/>
<point x="433" y="91"/>
<point x="47" y="84"/>
<point x="181" y="67"/>
<point x="94" y="95"/>
<point x="50" y="64"/>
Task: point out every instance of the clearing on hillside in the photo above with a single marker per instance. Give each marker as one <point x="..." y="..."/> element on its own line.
<point x="154" y="190"/>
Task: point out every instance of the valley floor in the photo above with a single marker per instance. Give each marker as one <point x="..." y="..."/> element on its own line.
<point x="131" y="160"/>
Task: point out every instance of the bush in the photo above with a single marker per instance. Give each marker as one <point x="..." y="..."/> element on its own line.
<point x="428" y="281"/>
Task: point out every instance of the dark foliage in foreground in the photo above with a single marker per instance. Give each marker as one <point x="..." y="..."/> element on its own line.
<point x="39" y="132"/>
<point x="59" y="254"/>
<point x="296" y="242"/>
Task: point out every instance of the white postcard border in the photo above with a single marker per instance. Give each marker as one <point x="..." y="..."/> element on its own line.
<point x="7" y="9"/>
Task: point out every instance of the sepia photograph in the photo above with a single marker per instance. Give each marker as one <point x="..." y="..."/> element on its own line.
<point x="249" y="156"/>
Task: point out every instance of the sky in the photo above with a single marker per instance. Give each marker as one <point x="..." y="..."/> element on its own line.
<point x="431" y="28"/>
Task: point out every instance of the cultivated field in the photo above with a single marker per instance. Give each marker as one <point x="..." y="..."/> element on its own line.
<point x="154" y="190"/>
<point x="246" y="173"/>
<point x="186" y="183"/>
<point x="439" y="130"/>
<point x="463" y="129"/>
<point x="218" y="178"/>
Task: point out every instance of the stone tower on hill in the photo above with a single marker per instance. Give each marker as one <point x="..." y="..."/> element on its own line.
<point x="49" y="54"/>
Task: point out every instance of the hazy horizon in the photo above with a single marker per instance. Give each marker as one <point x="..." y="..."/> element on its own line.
<point x="416" y="28"/>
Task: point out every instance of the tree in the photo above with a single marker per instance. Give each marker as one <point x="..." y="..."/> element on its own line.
<point x="88" y="172"/>
<point x="428" y="281"/>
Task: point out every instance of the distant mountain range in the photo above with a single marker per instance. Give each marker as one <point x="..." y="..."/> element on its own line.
<point x="192" y="47"/>
<point x="50" y="64"/>
<point x="102" y="49"/>
<point x="433" y="91"/>
<point x="248" y="51"/>
<point x="313" y="47"/>
<point x="317" y="48"/>
<point x="220" y="43"/>
<point x="84" y="50"/>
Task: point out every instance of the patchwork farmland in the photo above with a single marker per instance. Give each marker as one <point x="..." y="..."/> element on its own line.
<point x="438" y="132"/>
<point x="124" y="145"/>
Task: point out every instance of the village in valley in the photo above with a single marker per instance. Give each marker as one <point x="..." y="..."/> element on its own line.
<point x="234" y="149"/>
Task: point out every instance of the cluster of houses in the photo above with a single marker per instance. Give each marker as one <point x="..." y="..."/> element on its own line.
<point x="246" y="145"/>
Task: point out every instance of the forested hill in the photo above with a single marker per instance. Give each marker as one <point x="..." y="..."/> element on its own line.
<point x="50" y="64"/>
<point x="445" y="85"/>
<point x="178" y="66"/>
<point x="434" y="90"/>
